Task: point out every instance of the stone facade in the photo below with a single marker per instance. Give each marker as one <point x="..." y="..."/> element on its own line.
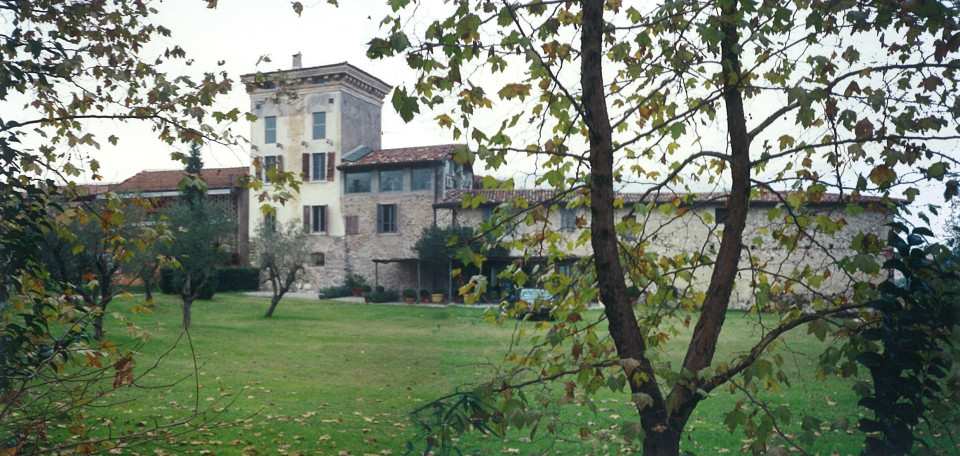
<point x="698" y="230"/>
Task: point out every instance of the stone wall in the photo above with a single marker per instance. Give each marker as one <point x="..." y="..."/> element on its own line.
<point x="414" y="213"/>
<point x="696" y="231"/>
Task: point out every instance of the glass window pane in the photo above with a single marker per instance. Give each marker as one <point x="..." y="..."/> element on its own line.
<point x="319" y="125"/>
<point x="358" y="182"/>
<point x="319" y="170"/>
<point x="270" y="131"/>
<point x="421" y="179"/>
<point x="386" y="218"/>
<point x="391" y="181"/>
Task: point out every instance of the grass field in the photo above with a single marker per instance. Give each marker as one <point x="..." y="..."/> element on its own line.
<point x="324" y="377"/>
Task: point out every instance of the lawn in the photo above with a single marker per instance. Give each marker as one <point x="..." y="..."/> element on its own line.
<point x="324" y="377"/>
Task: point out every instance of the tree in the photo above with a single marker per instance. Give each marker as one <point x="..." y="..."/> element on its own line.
<point x="68" y="66"/>
<point x="282" y="254"/>
<point x="440" y="245"/>
<point x="203" y="230"/>
<point x="88" y="254"/>
<point x="755" y="99"/>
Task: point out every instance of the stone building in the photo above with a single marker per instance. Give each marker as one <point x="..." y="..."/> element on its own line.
<point x="697" y="230"/>
<point x="363" y="205"/>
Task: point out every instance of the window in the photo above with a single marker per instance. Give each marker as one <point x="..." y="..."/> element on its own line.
<point x="421" y="178"/>
<point x="568" y="220"/>
<point x="358" y="182"/>
<point x="386" y="218"/>
<point x="318" y="258"/>
<point x="720" y="214"/>
<point x="269" y="162"/>
<point x="315" y="219"/>
<point x="318" y="79"/>
<point x="270" y="222"/>
<point x="391" y="181"/>
<point x="319" y="125"/>
<point x="486" y="213"/>
<point x="351" y="224"/>
<point x="270" y="130"/>
<point x="318" y="167"/>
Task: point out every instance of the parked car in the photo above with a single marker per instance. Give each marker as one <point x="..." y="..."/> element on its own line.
<point x="529" y="304"/>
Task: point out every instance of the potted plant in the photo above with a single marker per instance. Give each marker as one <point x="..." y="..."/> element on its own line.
<point x="365" y="289"/>
<point x="409" y="295"/>
<point x="437" y="297"/>
<point x="355" y="283"/>
<point x="424" y="296"/>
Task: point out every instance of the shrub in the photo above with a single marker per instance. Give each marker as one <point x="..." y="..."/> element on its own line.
<point x="409" y="293"/>
<point x="171" y="282"/>
<point x="379" y="289"/>
<point x="355" y="281"/>
<point x="209" y="288"/>
<point x="383" y="296"/>
<point x="238" y="279"/>
<point x="424" y="294"/>
<point x="335" y="292"/>
<point x="167" y="276"/>
<point x="365" y="288"/>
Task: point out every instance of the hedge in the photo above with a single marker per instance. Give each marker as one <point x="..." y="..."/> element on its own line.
<point x="239" y="279"/>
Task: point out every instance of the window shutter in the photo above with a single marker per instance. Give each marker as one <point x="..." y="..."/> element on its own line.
<point x="306" y="219"/>
<point x="279" y="162"/>
<point x="331" y="165"/>
<point x="305" y="175"/>
<point x="379" y="218"/>
<point x="258" y="166"/>
<point x="352" y="224"/>
<point x="323" y="219"/>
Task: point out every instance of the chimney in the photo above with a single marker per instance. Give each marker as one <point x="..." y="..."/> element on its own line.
<point x="296" y="61"/>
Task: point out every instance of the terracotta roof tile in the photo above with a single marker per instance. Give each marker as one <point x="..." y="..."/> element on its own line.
<point x="168" y="180"/>
<point x="422" y="154"/>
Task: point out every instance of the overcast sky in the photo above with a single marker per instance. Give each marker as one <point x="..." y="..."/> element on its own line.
<point x="238" y="32"/>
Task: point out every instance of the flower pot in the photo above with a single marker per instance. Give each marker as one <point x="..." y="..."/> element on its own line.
<point x="437" y="298"/>
<point x="409" y="300"/>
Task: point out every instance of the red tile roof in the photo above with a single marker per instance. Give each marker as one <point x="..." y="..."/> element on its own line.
<point x="454" y="197"/>
<point x="407" y="155"/>
<point x="169" y="180"/>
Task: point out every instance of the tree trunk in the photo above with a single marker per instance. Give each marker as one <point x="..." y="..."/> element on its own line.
<point x="662" y="438"/>
<point x="186" y="312"/>
<point x="98" y="324"/>
<point x="186" y="295"/>
<point x="148" y="289"/>
<point x="273" y="305"/>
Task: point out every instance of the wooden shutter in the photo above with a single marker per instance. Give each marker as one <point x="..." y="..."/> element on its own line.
<point x="305" y="175"/>
<point x="306" y="219"/>
<point x="330" y="165"/>
<point x="279" y="162"/>
<point x="352" y="224"/>
<point x="258" y="167"/>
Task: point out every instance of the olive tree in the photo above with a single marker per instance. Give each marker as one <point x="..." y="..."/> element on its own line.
<point x="783" y="100"/>
<point x="282" y="253"/>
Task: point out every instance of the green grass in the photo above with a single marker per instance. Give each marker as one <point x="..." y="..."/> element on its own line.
<point x="324" y="377"/>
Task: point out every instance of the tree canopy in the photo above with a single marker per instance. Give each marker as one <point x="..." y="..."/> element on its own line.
<point x="786" y="101"/>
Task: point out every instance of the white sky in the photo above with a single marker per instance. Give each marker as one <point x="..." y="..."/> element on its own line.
<point x="238" y="32"/>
